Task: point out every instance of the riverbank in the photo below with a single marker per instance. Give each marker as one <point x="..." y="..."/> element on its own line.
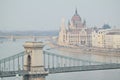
<point x="96" y="54"/>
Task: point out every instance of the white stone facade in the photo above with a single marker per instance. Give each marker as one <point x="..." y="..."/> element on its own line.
<point x="106" y="38"/>
<point x="112" y="40"/>
<point x="74" y="34"/>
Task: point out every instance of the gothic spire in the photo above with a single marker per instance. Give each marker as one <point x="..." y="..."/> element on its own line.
<point x="76" y="11"/>
<point x="84" y="23"/>
<point x="68" y="22"/>
<point x="63" y="24"/>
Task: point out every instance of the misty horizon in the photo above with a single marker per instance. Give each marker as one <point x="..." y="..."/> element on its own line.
<point x="27" y="15"/>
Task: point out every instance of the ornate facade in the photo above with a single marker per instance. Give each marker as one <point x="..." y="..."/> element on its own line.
<point x="73" y="34"/>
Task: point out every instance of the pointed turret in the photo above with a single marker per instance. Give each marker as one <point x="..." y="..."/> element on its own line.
<point x="76" y="12"/>
<point x="68" y="22"/>
<point x="63" y="24"/>
<point x="84" y="23"/>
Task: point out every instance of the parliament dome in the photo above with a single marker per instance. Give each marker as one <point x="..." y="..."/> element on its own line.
<point x="76" y="17"/>
<point x="76" y="20"/>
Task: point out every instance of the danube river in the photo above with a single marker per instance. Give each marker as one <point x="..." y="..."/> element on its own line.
<point x="8" y="48"/>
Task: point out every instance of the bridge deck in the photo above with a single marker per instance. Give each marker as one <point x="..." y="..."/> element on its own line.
<point x="84" y="68"/>
<point x="62" y="70"/>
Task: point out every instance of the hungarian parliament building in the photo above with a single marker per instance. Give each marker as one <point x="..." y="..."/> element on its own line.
<point x="76" y="33"/>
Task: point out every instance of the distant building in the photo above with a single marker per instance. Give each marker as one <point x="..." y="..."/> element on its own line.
<point x="76" y="33"/>
<point x="98" y="37"/>
<point x="106" y="38"/>
<point x="112" y="39"/>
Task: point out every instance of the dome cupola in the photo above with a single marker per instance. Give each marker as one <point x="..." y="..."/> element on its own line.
<point x="76" y="17"/>
<point x="76" y="20"/>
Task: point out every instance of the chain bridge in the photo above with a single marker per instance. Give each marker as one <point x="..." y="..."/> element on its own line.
<point x="35" y="63"/>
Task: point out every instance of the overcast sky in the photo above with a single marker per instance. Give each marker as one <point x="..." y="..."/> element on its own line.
<point x="47" y="14"/>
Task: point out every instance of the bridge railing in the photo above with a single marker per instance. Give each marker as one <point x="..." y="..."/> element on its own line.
<point x="52" y="60"/>
<point x="12" y="63"/>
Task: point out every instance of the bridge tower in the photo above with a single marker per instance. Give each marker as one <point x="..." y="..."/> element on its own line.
<point x="33" y="61"/>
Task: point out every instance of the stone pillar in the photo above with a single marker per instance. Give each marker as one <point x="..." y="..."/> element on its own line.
<point x="33" y="61"/>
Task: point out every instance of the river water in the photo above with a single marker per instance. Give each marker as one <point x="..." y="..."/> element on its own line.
<point x="8" y="48"/>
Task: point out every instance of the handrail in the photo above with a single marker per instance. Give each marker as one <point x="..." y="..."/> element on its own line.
<point x="53" y="54"/>
<point x="12" y="57"/>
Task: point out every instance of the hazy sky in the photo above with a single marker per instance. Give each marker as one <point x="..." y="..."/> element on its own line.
<point x="47" y="14"/>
